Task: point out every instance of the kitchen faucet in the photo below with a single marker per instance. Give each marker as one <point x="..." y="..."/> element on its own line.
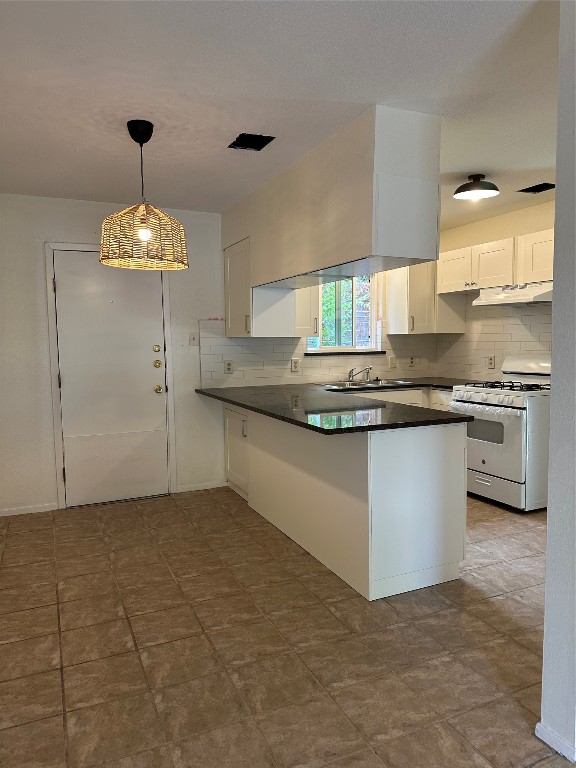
<point x="352" y="373"/>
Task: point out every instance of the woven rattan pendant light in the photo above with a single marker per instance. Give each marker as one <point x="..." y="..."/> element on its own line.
<point x="142" y="236"/>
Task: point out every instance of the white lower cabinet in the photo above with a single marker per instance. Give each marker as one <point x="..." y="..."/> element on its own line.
<point x="236" y="449"/>
<point x="439" y="399"/>
<point x="404" y="396"/>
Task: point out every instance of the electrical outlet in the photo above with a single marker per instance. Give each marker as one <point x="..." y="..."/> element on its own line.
<point x="295" y="365"/>
<point x="392" y="363"/>
<point x="491" y="361"/>
<point x="228" y="366"/>
<point x="295" y="402"/>
<point x="411" y="361"/>
<point x="193" y="339"/>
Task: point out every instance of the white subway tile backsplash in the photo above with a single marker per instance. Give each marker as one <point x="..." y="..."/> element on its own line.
<point x="498" y="331"/>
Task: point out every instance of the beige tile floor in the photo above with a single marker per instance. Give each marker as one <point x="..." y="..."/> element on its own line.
<point x="187" y="632"/>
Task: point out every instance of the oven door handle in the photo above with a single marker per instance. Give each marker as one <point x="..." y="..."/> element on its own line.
<point x="485" y="410"/>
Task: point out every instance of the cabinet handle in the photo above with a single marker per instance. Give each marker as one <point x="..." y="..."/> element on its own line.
<point x="247" y="323"/>
<point x="411" y="322"/>
<point x="244" y="429"/>
<point x="466" y="285"/>
<point x="315" y="326"/>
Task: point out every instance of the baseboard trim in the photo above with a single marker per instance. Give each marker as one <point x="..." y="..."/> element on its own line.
<point x="556" y="742"/>
<point x="200" y="486"/>
<point x="26" y="510"/>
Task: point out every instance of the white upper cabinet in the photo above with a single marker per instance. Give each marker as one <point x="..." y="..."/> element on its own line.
<point x="259" y="312"/>
<point x="478" y="266"/>
<point x="535" y="257"/>
<point x="413" y="307"/>
<point x="455" y="270"/>
<point x="366" y="195"/>
<point x="493" y="264"/>
<point x="307" y="311"/>
<point x="237" y="289"/>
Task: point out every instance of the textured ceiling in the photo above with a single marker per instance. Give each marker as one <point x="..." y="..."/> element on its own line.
<point x="72" y="73"/>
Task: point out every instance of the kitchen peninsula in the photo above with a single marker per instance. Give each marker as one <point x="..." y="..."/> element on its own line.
<point x="374" y="490"/>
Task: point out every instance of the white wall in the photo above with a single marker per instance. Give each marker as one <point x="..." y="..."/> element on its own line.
<point x="27" y="463"/>
<point x="558" y="720"/>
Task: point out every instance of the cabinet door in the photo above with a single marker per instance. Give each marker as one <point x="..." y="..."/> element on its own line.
<point x="237" y="288"/>
<point x="308" y="311"/>
<point x="455" y="270"/>
<point x="404" y="396"/>
<point x="493" y="264"/>
<point x="440" y="399"/>
<point x="236" y="449"/>
<point x="421" y="298"/>
<point x="535" y="256"/>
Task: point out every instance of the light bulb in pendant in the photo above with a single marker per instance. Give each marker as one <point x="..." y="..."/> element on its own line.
<point x="144" y="234"/>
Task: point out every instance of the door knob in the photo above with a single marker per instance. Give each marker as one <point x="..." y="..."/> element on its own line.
<point x="158" y="389"/>
<point x="156" y="348"/>
<point x="157" y="363"/>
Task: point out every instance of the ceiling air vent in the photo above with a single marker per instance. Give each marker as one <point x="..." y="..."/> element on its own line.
<point x="537" y="188"/>
<point x="252" y="141"/>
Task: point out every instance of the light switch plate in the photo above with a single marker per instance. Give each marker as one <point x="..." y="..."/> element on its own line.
<point x="228" y="366"/>
<point x="295" y="365"/>
<point x="392" y="363"/>
<point x="491" y="361"/>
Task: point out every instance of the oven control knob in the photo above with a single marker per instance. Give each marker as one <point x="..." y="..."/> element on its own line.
<point x="483" y="398"/>
<point x="509" y="400"/>
<point x="501" y="399"/>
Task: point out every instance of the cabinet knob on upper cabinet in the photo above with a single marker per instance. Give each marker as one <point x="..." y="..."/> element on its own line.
<point x="158" y="389"/>
<point x="466" y="285"/>
<point x="157" y="363"/>
<point x="156" y="348"/>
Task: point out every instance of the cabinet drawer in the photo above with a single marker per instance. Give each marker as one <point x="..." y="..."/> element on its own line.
<point x="404" y="396"/>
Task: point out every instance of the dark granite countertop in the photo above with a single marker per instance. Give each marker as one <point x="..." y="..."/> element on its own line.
<point x="331" y="413"/>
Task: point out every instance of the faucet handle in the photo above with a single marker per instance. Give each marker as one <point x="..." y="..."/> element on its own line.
<point x="351" y="373"/>
<point x="368" y="369"/>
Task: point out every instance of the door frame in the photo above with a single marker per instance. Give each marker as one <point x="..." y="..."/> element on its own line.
<point x="49" y="249"/>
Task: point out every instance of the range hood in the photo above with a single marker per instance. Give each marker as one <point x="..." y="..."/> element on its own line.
<point x="528" y="293"/>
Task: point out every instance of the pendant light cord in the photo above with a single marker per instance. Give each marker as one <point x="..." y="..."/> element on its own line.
<point x="142" y="171"/>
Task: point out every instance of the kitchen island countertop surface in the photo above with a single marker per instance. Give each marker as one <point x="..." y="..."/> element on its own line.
<point x="330" y="413"/>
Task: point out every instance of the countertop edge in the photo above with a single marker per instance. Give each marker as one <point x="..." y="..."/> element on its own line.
<point x="441" y="421"/>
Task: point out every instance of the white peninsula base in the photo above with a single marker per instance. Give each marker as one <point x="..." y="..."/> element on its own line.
<point x="384" y="510"/>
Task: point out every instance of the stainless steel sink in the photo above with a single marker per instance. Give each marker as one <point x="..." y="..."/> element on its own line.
<point x="342" y="386"/>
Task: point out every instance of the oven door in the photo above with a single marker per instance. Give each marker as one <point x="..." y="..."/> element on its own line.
<point x="496" y="440"/>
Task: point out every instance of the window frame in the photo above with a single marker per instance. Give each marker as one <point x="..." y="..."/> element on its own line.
<point x="373" y="320"/>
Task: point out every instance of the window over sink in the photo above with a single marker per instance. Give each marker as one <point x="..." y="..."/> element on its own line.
<point x="347" y="316"/>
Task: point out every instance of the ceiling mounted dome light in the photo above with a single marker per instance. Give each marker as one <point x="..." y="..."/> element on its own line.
<point x="476" y="188"/>
<point x="142" y="236"/>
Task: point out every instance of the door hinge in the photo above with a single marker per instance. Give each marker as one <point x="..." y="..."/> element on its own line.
<point x="54" y="284"/>
<point x="64" y="473"/>
<point x="59" y="381"/>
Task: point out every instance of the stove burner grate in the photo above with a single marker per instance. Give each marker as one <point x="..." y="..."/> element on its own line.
<point x="510" y="386"/>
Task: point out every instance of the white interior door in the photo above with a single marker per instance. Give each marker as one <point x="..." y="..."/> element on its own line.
<point x="110" y="333"/>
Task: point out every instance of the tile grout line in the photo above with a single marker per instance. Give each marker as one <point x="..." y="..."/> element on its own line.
<point x="136" y="650"/>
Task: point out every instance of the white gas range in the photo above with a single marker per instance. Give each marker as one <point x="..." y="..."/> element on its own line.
<point x="508" y="439"/>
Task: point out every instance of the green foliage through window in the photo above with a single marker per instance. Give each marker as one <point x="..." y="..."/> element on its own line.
<point x="346" y="315"/>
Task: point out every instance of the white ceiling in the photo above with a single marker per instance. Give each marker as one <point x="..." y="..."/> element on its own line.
<point x="72" y="73"/>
